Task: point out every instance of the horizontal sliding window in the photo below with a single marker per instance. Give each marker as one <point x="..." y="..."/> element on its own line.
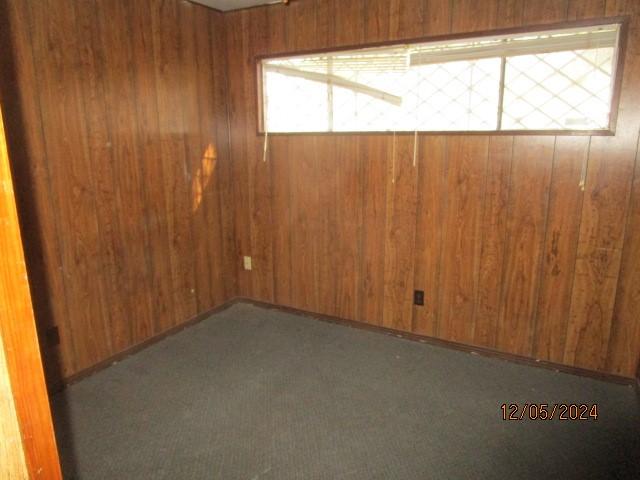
<point x="561" y="79"/>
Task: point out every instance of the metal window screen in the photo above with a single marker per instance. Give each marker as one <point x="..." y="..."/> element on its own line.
<point x="552" y="80"/>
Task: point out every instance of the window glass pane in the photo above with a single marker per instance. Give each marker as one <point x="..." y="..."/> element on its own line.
<point x="560" y="90"/>
<point x="457" y="95"/>
<point x="295" y="105"/>
<point x="547" y="80"/>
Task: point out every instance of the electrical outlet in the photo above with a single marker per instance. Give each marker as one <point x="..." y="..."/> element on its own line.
<point x="418" y="297"/>
<point x="247" y="263"/>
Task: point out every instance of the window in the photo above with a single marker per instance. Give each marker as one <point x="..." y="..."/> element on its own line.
<point x="560" y="79"/>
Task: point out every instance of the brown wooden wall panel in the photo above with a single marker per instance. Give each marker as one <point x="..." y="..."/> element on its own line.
<point x="432" y="202"/>
<point x="528" y="206"/>
<point x="561" y="239"/>
<point x="461" y="238"/>
<point x="118" y="123"/>
<point x="375" y="152"/>
<point x="494" y="241"/>
<point x="402" y="176"/>
<point x="497" y="231"/>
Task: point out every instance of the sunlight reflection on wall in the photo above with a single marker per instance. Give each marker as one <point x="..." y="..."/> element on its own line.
<point x="204" y="175"/>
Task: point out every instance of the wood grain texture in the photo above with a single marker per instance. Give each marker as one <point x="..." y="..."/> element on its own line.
<point x="119" y="133"/>
<point x="12" y="462"/>
<point x="528" y="205"/>
<point x="492" y="228"/>
<point x="494" y="241"/>
<point x="23" y="394"/>
<point x="460" y="259"/>
<point x="432" y="204"/>
<point x="402" y="179"/>
<point x="29" y="157"/>
<point x="561" y="240"/>
<point x="604" y="214"/>
<point x="375" y="152"/>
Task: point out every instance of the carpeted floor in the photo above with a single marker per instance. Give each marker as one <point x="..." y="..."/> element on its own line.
<point x="253" y="393"/>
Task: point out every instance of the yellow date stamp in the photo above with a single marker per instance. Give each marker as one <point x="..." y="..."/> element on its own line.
<point x="549" y="411"/>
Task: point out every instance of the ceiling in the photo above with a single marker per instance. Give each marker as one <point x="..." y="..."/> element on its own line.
<point x="226" y="5"/>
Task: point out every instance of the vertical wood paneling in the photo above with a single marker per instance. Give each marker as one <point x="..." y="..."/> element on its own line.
<point x="432" y="201"/>
<point x="206" y="200"/>
<point x="259" y="174"/>
<point x="563" y="225"/>
<point x="376" y="20"/>
<point x="349" y="22"/>
<point x="224" y="179"/>
<point x="402" y="180"/>
<point x="155" y="203"/>
<point x="281" y="208"/>
<point x="407" y="18"/>
<point x="510" y="13"/>
<point x="65" y="140"/>
<point x="604" y="215"/>
<point x="237" y="130"/>
<point x="166" y="43"/>
<point x="623" y="354"/>
<point x="494" y="241"/>
<point x="528" y="205"/>
<point x="348" y="220"/>
<point x="469" y="15"/>
<point x="375" y="151"/>
<point x="545" y="11"/>
<point x="126" y="175"/>
<point x="194" y="155"/>
<point x="43" y="245"/>
<point x="329" y="269"/>
<point x="462" y="241"/>
<point x="92" y="58"/>
<point x="305" y="222"/>
<point x="113" y="104"/>
<point x="579" y="9"/>
<point x="438" y="15"/>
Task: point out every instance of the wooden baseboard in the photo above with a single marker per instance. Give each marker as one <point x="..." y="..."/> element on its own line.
<point x="487" y="352"/>
<point x="58" y="386"/>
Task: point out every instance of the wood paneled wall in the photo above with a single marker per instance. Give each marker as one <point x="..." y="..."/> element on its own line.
<point x="511" y="252"/>
<point x="117" y="123"/>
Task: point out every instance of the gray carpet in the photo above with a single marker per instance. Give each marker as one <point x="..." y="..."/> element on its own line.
<point x="258" y="394"/>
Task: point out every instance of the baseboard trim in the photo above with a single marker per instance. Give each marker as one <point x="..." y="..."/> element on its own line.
<point x="107" y="362"/>
<point x="473" y="350"/>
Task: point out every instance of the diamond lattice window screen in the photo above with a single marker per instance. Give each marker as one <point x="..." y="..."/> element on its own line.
<point x="547" y="80"/>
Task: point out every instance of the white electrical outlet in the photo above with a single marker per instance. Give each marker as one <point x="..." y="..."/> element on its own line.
<point x="247" y="263"/>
